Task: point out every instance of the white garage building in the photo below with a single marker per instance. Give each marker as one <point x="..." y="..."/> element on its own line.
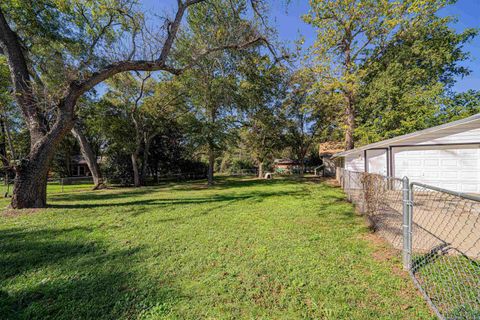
<point x="446" y="156"/>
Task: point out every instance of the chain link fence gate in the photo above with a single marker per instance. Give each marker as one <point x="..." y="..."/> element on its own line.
<point x="437" y="230"/>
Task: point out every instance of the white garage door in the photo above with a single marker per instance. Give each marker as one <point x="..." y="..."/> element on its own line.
<point x="451" y="167"/>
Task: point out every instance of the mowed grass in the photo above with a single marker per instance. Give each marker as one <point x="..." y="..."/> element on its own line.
<point x="451" y="282"/>
<point x="52" y="188"/>
<point x="248" y="249"/>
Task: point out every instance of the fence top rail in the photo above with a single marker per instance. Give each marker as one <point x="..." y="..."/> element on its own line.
<point x="451" y="192"/>
<point x="373" y="174"/>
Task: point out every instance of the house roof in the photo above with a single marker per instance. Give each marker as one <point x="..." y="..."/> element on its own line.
<point x="285" y="161"/>
<point x="415" y="134"/>
<point x="329" y="148"/>
<point x="79" y="159"/>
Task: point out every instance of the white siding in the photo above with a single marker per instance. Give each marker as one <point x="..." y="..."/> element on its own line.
<point x="451" y="167"/>
<point x="377" y="161"/>
<point x="355" y="162"/>
<point x="465" y="133"/>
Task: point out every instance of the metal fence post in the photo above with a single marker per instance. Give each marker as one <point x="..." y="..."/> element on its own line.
<point x="349" y="184"/>
<point x="410" y="205"/>
<point x="407" y="233"/>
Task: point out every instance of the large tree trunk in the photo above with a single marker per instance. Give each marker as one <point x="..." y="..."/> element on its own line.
<point x="136" y="173"/>
<point x="260" y="169"/>
<point x="89" y="156"/>
<point x="350" y="122"/>
<point x="30" y="187"/>
<point x="211" y="164"/>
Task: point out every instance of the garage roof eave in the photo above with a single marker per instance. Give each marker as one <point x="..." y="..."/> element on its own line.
<point x="388" y="142"/>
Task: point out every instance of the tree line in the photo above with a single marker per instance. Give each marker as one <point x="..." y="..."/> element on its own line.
<point x="211" y="88"/>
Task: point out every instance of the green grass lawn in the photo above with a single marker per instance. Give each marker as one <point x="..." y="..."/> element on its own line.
<point x="451" y="282"/>
<point x="279" y="249"/>
<point x="52" y="188"/>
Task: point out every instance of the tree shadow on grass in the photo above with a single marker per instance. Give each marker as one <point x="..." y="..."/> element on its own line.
<point x="256" y="196"/>
<point x="225" y="183"/>
<point x="118" y="193"/>
<point x="228" y="182"/>
<point x="64" y="274"/>
<point x="222" y="183"/>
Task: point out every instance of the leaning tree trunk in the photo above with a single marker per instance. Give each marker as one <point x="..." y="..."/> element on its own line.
<point x="136" y="172"/>
<point x="211" y="163"/>
<point x="89" y="156"/>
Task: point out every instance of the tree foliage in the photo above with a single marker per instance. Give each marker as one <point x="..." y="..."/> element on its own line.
<point x="350" y="35"/>
<point x="405" y="87"/>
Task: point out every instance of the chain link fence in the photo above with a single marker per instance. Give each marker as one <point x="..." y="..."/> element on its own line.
<point x="85" y="183"/>
<point x="54" y="185"/>
<point x="437" y="230"/>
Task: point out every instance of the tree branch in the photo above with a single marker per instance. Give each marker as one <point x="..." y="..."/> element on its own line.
<point x="11" y="47"/>
<point x="78" y="88"/>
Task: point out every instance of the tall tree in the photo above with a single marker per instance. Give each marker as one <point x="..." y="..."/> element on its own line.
<point x="128" y="92"/>
<point x="212" y="85"/>
<point x="137" y="108"/>
<point x="350" y="32"/>
<point x="261" y="92"/>
<point x="303" y="116"/>
<point x="164" y="111"/>
<point x="263" y="136"/>
<point x="210" y="96"/>
<point x="71" y="43"/>
<point x="406" y="85"/>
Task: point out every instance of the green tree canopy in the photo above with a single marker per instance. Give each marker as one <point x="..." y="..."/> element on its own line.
<point x="350" y="33"/>
<point x="407" y="83"/>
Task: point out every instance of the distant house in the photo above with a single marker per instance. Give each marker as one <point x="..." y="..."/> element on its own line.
<point x="446" y="156"/>
<point x="79" y="166"/>
<point x="286" y="166"/>
<point x="326" y="150"/>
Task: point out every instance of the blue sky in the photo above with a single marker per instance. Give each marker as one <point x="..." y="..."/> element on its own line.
<point x="290" y="26"/>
